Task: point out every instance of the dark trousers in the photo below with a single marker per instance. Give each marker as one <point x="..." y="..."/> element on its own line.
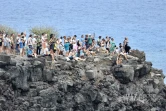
<point x="17" y="48"/>
<point x="38" y="50"/>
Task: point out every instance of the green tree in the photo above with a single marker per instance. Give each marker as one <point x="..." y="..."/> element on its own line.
<point x="47" y="30"/>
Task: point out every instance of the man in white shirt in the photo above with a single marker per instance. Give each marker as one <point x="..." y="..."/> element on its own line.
<point x="34" y="42"/>
<point x="18" y="38"/>
<point x="43" y="39"/>
<point x="60" y="40"/>
<point x="30" y="41"/>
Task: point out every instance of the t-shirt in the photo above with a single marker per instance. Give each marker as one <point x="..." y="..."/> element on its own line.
<point x="108" y="44"/>
<point x="86" y="41"/>
<point x="34" y="40"/>
<point x="61" y="47"/>
<point x="43" y="39"/>
<point x="60" y="40"/>
<point x="38" y="42"/>
<point x="30" y="52"/>
<point x="9" y="40"/>
<point x="21" y="44"/>
<point x="82" y="41"/>
<point x="89" y="40"/>
<point x="30" y="42"/>
<point x="67" y="46"/>
<point x="18" y="40"/>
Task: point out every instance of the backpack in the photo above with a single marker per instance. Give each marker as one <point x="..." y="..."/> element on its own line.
<point x="55" y="46"/>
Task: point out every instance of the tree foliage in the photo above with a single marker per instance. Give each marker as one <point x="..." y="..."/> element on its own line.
<point x="7" y="29"/>
<point x="40" y="30"/>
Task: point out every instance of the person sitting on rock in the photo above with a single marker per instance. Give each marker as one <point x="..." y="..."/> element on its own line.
<point x="71" y="55"/>
<point x="30" y="52"/>
<point x="121" y="57"/>
<point x="102" y="48"/>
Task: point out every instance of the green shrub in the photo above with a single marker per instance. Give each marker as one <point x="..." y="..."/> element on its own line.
<point x="7" y="29"/>
<point x="40" y="30"/>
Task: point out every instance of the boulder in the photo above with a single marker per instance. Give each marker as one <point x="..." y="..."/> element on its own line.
<point x="124" y="74"/>
<point x="139" y="54"/>
<point x="90" y="74"/>
<point x="47" y="75"/>
<point x="143" y="69"/>
<point x="94" y="74"/>
<point x="4" y="60"/>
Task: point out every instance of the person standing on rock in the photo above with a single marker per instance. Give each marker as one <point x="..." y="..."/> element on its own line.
<point x="52" y="45"/>
<point x="17" y="43"/>
<point x="43" y="39"/>
<point x="21" y="47"/>
<point x="30" y="41"/>
<point x="34" y="41"/>
<point x="6" y="43"/>
<point x="82" y="41"/>
<point x="125" y="42"/>
<point x="38" y="50"/>
<point x="107" y="43"/>
<point x="86" y="41"/>
<point x="1" y="41"/>
<point x="66" y="46"/>
<point x="23" y="37"/>
<point x="89" y="40"/>
<point x="12" y="43"/>
<point x="112" y="46"/>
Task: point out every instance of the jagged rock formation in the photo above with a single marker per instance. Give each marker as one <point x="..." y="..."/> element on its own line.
<point x="96" y="84"/>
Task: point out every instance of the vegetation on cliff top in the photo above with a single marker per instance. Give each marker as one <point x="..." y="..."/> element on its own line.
<point x="38" y="30"/>
<point x="7" y="29"/>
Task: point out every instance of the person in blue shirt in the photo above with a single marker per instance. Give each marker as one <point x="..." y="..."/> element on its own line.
<point x="66" y="46"/>
<point x="82" y="40"/>
<point x="90" y="40"/>
<point x="21" y="45"/>
<point x="30" y="52"/>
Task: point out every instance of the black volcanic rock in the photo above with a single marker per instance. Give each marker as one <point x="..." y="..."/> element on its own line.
<point x="96" y="84"/>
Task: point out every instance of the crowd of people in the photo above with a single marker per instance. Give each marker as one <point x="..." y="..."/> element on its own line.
<point x="70" y="47"/>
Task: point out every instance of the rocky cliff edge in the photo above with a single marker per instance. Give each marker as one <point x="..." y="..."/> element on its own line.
<point x="96" y="84"/>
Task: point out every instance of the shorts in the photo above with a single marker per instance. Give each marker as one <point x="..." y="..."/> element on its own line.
<point x="30" y="46"/>
<point x="67" y="50"/>
<point x="52" y="47"/>
<point x="103" y="48"/>
<point x="71" y="58"/>
<point x="0" y="43"/>
<point x="107" y="49"/>
<point x="6" y="44"/>
<point x="45" y="50"/>
<point x="21" y="50"/>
